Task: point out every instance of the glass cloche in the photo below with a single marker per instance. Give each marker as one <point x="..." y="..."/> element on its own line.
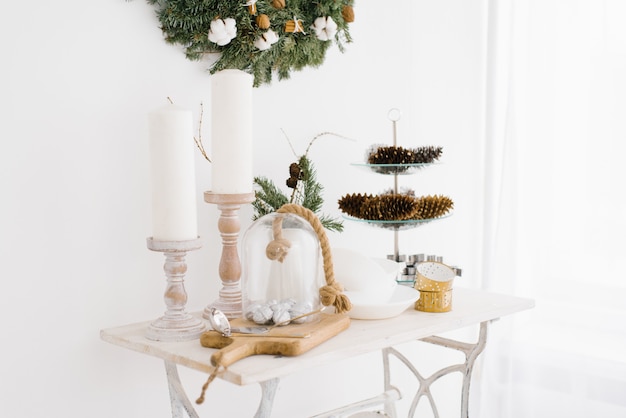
<point x="281" y="270"/>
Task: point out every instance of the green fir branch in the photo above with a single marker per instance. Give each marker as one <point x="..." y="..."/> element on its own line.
<point x="307" y="193"/>
<point x="187" y="23"/>
<point x="311" y="196"/>
<point x="331" y="223"/>
<point x="268" y="197"/>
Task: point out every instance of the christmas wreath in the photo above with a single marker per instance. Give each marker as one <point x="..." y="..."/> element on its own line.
<point x="260" y="37"/>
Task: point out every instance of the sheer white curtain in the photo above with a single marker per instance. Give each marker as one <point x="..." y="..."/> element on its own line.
<point x="555" y="208"/>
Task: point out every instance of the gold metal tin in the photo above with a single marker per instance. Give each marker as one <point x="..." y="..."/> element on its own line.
<point x="434" y="301"/>
<point x="434" y="282"/>
<point x="433" y="276"/>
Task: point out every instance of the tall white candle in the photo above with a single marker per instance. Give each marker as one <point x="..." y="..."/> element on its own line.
<point x="231" y="132"/>
<point x="174" y="211"/>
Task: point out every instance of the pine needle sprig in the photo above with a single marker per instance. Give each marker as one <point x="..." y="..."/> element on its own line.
<point x="268" y="197"/>
<point x="311" y="188"/>
<point x="330" y="223"/>
<point x="306" y="191"/>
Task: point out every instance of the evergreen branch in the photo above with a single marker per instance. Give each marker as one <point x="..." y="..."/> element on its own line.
<point x="187" y="23"/>
<point x="306" y="191"/>
<point x="269" y="198"/>
<point x="311" y="189"/>
<point x="331" y="223"/>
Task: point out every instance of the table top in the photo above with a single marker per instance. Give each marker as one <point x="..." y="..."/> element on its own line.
<point x="469" y="307"/>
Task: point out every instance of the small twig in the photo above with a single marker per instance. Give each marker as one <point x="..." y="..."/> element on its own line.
<point x="289" y="142"/>
<point x="294" y="192"/>
<point x="312" y="141"/>
<point x="198" y="140"/>
<point x="323" y="134"/>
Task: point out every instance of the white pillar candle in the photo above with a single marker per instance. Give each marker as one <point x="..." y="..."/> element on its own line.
<point x="174" y="211"/>
<point x="231" y="132"/>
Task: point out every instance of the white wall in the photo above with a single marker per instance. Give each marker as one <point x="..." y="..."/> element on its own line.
<point x="77" y="80"/>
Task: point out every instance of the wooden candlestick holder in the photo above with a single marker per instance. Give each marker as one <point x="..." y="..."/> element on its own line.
<point x="229" y="301"/>
<point x="176" y="324"/>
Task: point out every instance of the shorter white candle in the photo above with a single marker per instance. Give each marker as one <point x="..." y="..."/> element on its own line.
<point x="231" y="132"/>
<point x="174" y="211"/>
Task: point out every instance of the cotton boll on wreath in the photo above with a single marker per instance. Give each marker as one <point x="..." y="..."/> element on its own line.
<point x="266" y="40"/>
<point x="325" y="28"/>
<point x="223" y="31"/>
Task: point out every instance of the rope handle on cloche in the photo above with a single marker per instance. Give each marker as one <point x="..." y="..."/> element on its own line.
<point x="278" y="248"/>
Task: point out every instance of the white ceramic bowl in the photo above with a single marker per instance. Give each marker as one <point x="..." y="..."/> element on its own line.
<point x="363" y="308"/>
<point x="373" y="279"/>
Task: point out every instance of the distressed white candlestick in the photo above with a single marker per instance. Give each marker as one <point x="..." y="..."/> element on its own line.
<point x="229" y="301"/>
<point x="176" y="324"/>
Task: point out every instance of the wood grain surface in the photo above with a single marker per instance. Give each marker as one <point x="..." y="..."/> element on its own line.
<point x="276" y="342"/>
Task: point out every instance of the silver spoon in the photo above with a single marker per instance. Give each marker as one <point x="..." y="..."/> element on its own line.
<point x="220" y="322"/>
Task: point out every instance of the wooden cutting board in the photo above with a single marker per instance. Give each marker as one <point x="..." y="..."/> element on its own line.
<point x="276" y="342"/>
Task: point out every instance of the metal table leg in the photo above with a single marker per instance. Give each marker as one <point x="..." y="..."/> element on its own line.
<point x="471" y="351"/>
<point x="178" y="398"/>
<point x="181" y="403"/>
<point x="268" y="391"/>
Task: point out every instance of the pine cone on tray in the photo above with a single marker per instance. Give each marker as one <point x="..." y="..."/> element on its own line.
<point x="394" y="207"/>
<point x="352" y="204"/>
<point x="433" y="206"/>
<point x="382" y="154"/>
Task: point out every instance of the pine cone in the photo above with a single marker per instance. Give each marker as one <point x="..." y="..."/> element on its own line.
<point x="351" y="204"/>
<point x="292" y="182"/>
<point x="390" y="155"/>
<point x="385" y="207"/>
<point x="295" y="170"/>
<point x="433" y="206"/>
<point x="390" y="207"/>
<point x="400" y="155"/>
<point x="427" y="155"/>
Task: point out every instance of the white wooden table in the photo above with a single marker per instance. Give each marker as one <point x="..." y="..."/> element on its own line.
<point x="470" y="307"/>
